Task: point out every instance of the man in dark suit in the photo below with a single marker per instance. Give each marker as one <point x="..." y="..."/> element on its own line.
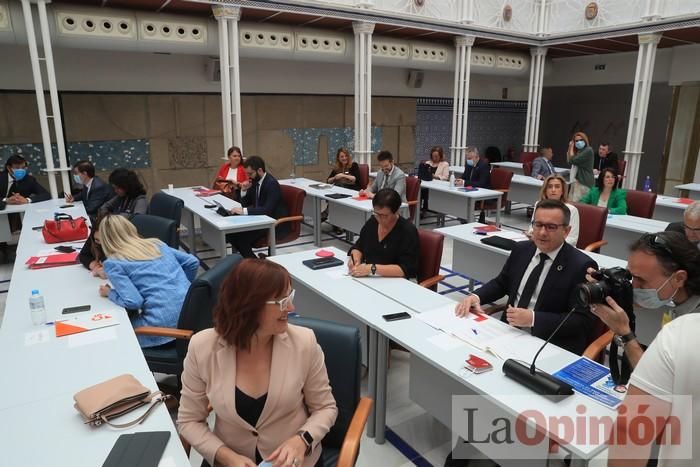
<point x="477" y="172"/>
<point x="261" y="195"/>
<point x="17" y="186"/>
<point x="604" y="159"/>
<point x="539" y="278"/>
<point x="690" y="226"/>
<point x="94" y="193"/>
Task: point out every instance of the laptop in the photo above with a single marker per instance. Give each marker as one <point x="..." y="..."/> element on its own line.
<point x="424" y="172"/>
<point x="221" y="210"/>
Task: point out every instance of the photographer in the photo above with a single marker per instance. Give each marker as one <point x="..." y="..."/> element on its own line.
<point x="665" y="269"/>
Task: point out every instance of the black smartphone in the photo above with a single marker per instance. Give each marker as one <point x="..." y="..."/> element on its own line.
<point x="396" y="316"/>
<point x="64" y="249"/>
<point x="67" y="206"/>
<point x="38" y="228"/>
<point x="210" y="206"/>
<point x="76" y="309"/>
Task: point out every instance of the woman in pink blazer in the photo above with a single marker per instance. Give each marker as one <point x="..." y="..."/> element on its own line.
<point x="265" y="379"/>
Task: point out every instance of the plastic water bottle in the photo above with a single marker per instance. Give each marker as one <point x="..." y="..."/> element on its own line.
<point x="452" y="179"/>
<point x="37" y="309"/>
<point x="647" y="184"/>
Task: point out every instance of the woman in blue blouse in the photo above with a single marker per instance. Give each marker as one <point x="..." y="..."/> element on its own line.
<point x="606" y="195"/>
<point x="146" y="275"/>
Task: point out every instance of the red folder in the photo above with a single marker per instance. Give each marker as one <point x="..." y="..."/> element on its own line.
<point x="685" y="200"/>
<point x="205" y="192"/>
<point x="52" y="261"/>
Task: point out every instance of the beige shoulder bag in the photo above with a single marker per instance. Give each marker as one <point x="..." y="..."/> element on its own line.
<point x="115" y="397"/>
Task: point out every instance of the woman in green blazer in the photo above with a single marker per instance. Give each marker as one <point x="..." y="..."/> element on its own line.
<point x="606" y="195"/>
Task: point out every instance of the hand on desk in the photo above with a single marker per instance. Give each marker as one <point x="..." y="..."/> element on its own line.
<point x="360" y="270"/>
<point x="520" y="317"/>
<point x="238" y="211"/>
<point x="471" y="304"/>
<point x="69" y="198"/>
<point x="290" y="453"/>
<point x="366" y="193"/>
<point x="99" y="272"/>
<point x="104" y="290"/>
<point x="16" y="199"/>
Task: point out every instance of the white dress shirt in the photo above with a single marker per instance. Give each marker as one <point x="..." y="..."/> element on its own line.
<point x="545" y="270"/>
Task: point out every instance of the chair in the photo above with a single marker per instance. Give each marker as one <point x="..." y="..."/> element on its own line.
<point x="527" y="168"/>
<point x="167" y="206"/>
<point x="293" y="198"/>
<point x="412" y="190"/>
<point x="430" y="256"/>
<point x="341" y="348"/>
<point x="527" y="156"/>
<point x="163" y="229"/>
<point x="364" y="176"/>
<point x="592" y="221"/>
<point x="621" y="166"/>
<point x="195" y="315"/>
<point x="641" y="203"/>
<point x="500" y="181"/>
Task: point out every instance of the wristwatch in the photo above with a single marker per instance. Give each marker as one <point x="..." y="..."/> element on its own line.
<point x="622" y="340"/>
<point x="307" y="439"/>
<point x="374" y="269"/>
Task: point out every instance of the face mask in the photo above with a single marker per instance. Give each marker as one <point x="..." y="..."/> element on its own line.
<point x="649" y="298"/>
<point x="580" y="144"/>
<point x="19" y="174"/>
<point x="470" y="162"/>
<point x="77" y="179"/>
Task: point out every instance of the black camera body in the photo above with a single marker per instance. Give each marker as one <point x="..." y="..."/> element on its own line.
<point x="613" y="282"/>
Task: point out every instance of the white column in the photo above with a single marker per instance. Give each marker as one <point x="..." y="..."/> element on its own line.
<point x="363" y="92"/>
<point x="534" y="98"/>
<point x="465" y="11"/>
<point x="640" y="102"/>
<point x="53" y="94"/>
<point x="228" y="18"/>
<point x="460" y="106"/>
<point x="542" y="28"/>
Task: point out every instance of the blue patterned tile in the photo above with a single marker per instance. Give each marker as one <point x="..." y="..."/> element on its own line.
<point x="306" y="143"/>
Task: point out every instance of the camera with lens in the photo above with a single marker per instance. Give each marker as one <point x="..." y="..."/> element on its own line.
<point x="613" y="282"/>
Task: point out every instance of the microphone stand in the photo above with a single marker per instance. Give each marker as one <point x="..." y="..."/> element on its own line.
<point x="539" y="381"/>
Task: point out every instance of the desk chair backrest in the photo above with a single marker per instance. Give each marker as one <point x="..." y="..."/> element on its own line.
<point x="621" y="167"/>
<point x="341" y="349"/>
<point x="500" y="181"/>
<point x="364" y="176"/>
<point x="163" y="229"/>
<point x="197" y="309"/>
<point x="527" y="156"/>
<point x="293" y="198"/>
<point x="527" y="168"/>
<point x="167" y="206"/>
<point x="431" y="244"/>
<point x="641" y="203"/>
<point x="412" y="191"/>
<point x="592" y="221"/>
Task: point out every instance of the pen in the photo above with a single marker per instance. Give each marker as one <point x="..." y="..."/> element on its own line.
<point x="475" y="332"/>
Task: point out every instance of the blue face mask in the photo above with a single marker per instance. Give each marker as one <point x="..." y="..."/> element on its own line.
<point x="649" y="298"/>
<point x="76" y="179"/>
<point x="470" y="162"/>
<point x="19" y="174"/>
<point x="580" y="144"/>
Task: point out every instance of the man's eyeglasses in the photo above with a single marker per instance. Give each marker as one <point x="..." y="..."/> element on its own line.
<point x="548" y="227"/>
<point x="285" y="303"/>
<point x="692" y="229"/>
<point x="380" y="215"/>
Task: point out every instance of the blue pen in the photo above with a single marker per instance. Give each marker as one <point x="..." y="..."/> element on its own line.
<point x="475" y="332"/>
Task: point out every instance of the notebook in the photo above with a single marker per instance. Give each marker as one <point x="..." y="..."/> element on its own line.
<point x="138" y="449"/>
<point x="322" y="263"/>
<point x="52" y="261"/>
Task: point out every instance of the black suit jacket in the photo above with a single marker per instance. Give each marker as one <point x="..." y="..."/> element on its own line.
<point x="676" y="227"/>
<point x="556" y="297"/>
<point x="600" y="163"/>
<point x="100" y="193"/>
<point x="478" y="176"/>
<point x="269" y="201"/>
<point x="27" y="187"/>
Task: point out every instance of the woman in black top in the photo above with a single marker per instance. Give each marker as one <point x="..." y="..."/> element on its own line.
<point x="346" y="173"/>
<point x="388" y="245"/>
<point x="91" y="255"/>
<point x="130" y="194"/>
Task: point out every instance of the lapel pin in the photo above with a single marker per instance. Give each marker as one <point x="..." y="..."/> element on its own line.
<point x="560" y="267"/>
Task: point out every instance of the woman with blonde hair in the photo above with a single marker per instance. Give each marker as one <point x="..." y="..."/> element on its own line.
<point x="146" y="275"/>
<point x="345" y="173"/>
<point x="554" y="187"/>
<point x="580" y="156"/>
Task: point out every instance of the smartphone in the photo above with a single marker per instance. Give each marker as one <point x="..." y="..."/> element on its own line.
<point x="76" y="309"/>
<point x="38" y="228"/>
<point x="67" y="206"/>
<point x="210" y="206"/>
<point x="396" y="316"/>
<point x="64" y="249"/>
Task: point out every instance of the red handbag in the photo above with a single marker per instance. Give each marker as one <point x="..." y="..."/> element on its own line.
<point x="63" y="228"/>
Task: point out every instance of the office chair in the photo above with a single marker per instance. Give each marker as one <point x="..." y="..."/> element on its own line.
<point x="641" y="203"/>
<point x="293" y="198"/>
<point x="163" y="229"/>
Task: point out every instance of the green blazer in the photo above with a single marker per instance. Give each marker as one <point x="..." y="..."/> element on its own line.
<point x="584" y="161"/>
<point x="617" y="202"/>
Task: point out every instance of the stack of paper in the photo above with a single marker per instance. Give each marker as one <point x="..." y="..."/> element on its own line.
<point x="52" y="260"/>
<point x="84" y="323"/>
<point x="203" y="191"/>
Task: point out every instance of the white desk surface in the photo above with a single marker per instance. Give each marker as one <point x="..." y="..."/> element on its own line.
<point x="444" y="186"/>
<point x="40" y="426"/>
<point x="465" y="233"/>
<point x="635" y="224"/>
<point x="689" y="187"/>
<point x="413" y="334"/>
<point x="196" y="205"/>
<point x="525" y="180"/>
<point x="13" y="208"/>
<point x="519" y="167"/>
<point x="670" y="202"/>
<point x="304" y="184"/>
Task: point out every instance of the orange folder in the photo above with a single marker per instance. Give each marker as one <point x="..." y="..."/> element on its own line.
<point x="52" y="261"/>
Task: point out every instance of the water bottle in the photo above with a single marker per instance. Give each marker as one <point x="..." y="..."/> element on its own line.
<point x="452" y="179"/>
<point x="37" y="309"/>
<point x="647" y="184"/>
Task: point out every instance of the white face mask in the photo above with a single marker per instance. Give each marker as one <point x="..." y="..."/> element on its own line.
<point x="649" y="298"/>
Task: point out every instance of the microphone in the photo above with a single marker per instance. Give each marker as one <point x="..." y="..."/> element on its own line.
<point x="539" y="381"/>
